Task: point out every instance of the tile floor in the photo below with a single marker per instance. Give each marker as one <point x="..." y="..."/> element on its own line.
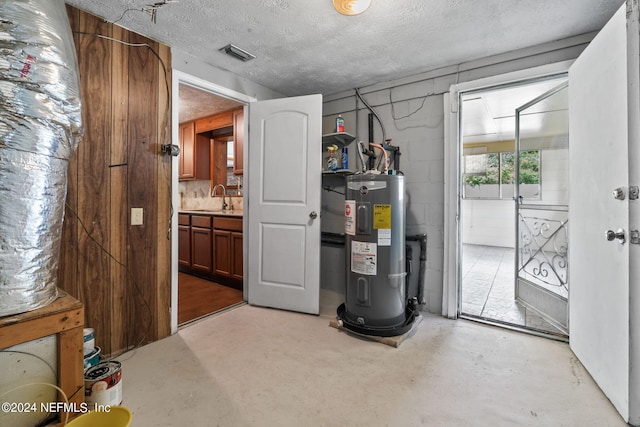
<point x="488" y="288"/>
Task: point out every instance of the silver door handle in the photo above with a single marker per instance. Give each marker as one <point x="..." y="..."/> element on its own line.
<point x="618" y="193"/>
<point x="612" y="235"/>
<point x="313" y="215"/>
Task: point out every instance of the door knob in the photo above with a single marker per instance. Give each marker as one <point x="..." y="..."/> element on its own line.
<point x="618" y="193"/>
<point x="313" y="215"/>
<point x="612" y="235"/>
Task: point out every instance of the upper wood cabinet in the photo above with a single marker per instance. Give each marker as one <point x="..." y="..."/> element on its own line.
<point x="203" y="153"/>
<point x="187" y="151"/>
<point x="214" y="122"/>
<point x="238" y="141"/>
<point x="194" y="153"/>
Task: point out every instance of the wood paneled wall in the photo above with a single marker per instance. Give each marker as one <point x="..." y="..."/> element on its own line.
<point x="120" y="272"/>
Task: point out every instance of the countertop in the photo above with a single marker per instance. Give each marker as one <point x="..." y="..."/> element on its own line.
<point x="232" y="213"/>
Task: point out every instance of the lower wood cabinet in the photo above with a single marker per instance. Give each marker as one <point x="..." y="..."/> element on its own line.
<point x="211" y="247"/>
<point x="201" y="248"/>
<point x="222" y="249"/>
<point x="184" y="240"/>
<point x="237" y="259"/>
<point x="227" y="239"/>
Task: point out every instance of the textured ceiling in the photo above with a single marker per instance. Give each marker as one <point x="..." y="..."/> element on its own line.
<point x="305" y="46"/>
<point x="194" y="104"/>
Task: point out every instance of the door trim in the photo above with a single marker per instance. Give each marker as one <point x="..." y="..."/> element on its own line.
<point x="177" y="78"/>
<point x="452" y="232"/>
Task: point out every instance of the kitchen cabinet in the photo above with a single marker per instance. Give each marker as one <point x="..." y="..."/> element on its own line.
<point x="214" y="122"/>
<point x="222" y="246"/>
<point x="210" y="246"/>
<point x="237" y="256"/>
<point x="187" y="151"/>
<point x="194" y="153"/>
<point x="203" y="153"/>
<point x="228" y="247"/>
<point x="238" y="141"/>
<point x="184" y="240"/>
<point x="201" y="243"/>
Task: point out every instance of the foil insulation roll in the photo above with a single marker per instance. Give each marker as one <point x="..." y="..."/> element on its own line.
<point x="40" y="127"/>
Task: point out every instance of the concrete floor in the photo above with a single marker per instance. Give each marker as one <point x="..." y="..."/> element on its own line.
<point x="254" y="366"/>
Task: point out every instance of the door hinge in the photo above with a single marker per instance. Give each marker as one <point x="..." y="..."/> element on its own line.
<point x="633" y="192"/>
<point x="634" y="237"/>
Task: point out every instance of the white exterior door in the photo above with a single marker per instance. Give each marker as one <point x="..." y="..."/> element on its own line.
<point x="598" y="163"/>
<point x="285" y="182"/>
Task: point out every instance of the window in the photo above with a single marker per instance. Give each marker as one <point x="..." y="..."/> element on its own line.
<point x="492" y="175"/>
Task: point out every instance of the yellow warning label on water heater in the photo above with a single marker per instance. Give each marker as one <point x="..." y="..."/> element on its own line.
<point x="381" y="216"/>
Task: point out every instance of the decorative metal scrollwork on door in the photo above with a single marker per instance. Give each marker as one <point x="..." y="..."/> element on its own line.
<point x="543" y="251"/>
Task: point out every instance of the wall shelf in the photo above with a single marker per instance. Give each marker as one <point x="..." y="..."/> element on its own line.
<point x="338" y="172"/>
<point x="341" y="139"/>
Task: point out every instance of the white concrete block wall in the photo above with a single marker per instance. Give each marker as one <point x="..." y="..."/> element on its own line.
<point x="412" y="112"/>
<point x="419" y="137"/>
<point x="489" y="222"/>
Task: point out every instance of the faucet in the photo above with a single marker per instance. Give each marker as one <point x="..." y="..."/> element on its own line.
<point x="224" y="193"/>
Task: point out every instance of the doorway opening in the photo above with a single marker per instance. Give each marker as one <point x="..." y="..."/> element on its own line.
<point x="199" y="293"/>
<point x="513" y="200"/>
<point x="207" y="253"/>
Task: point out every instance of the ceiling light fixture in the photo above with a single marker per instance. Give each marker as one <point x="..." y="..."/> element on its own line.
<point x="351" y="7"/>
<point x="237" y="53"/>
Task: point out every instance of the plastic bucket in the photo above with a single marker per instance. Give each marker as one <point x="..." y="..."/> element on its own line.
<point x="117" y="416"/>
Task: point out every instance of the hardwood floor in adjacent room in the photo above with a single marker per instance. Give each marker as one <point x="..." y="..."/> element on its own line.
<point x="198" y="297"/>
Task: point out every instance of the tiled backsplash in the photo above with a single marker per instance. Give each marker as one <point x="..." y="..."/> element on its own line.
<point x="194" y="195"/>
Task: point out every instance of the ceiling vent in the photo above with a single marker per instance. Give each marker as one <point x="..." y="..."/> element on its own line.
<point x="238" y="53"/>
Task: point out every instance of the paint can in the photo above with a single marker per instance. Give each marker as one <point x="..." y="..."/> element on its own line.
<point x="103" y="384"/>
<point x="89" y="341"/>
<point x="92" y="358"/>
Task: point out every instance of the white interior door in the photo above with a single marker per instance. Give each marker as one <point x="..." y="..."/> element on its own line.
<point x="285" y="182"/>
<point x="598" y="163"/>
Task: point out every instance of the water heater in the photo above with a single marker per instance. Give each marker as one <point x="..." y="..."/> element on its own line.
<point x="375" y="300"/>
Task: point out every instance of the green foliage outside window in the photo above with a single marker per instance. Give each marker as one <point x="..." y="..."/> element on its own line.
<point x="500" y="169"/>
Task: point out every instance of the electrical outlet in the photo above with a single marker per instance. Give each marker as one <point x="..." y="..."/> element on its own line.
<point x="137" y="215"/>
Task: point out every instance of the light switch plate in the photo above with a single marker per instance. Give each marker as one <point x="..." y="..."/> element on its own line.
<point x="137" y="215"/>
